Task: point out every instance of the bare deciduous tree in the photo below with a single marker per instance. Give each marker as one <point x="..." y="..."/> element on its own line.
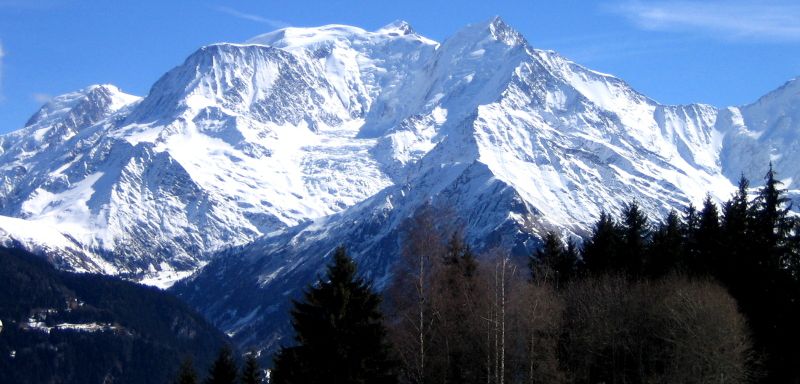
<point x="669" y="331"/>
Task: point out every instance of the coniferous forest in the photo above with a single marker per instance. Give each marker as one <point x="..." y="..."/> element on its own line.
<point x="60" y="327"/>
<point x="707" y="295"/>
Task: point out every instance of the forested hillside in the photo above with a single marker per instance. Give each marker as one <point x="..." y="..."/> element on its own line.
<point x="59" y="327"/>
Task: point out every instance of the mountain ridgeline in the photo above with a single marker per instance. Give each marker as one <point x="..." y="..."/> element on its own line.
<point x="256" y="160"/>
<point x="339" y="124"/>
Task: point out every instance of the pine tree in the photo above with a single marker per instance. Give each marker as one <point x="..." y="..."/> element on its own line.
<point x="635" y="235"/>
<point x="544" y="263"/>
<point x="666" y="248"/>
<point x="251" y="373"/>
<point x="707" y="237"/>
<point x="568" y="267"/>
<point x="339" y="332"/>
<point x="735" y="237"/>
<point x="459" y="254"/>
<point x="601" y="248"/>
<point x="772" y="222"/>
<point x="691" y="223"/>
<point x="223" y="370"/>
<point x="452" y="348"/>
<point x="554" y="263"/>
<point x="186" y="373"/>
<point x="770" y="296"/>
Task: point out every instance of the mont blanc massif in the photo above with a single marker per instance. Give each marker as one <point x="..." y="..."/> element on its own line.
<point x="244" y="167"/>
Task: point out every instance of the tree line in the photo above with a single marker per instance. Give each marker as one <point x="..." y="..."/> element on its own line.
<point x="457" y="317"/>
<point x="707" y="295"/>
<point x="223" y="370"/>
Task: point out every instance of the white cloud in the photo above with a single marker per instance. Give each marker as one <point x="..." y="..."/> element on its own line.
<point x="41" y="98"/>
<point x="729" y="20"/>
<point x="251" y="17"/>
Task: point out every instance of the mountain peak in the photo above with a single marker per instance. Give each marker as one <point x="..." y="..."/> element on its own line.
<point x="505" y="33"/>
<point x="400" y="27"/>
<point x="98" y="100"/>
<point x="493" y="29"/>
<point x="314" y="37"/>
<point x="785" y="97"/>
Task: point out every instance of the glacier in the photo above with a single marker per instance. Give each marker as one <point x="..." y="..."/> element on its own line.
<point x="245" y="165"/>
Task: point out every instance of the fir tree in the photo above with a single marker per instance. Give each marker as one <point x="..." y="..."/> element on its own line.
<point x="735" y="236"/>
<point x="666" y="247"/>
<point x="455" y="303"/>
<point x="339" y="332"/>
<point x="707" y="237"/>
<point x="223" y="370"/>
<point x="769" y="293"/>
<point x="601" y="248"/>
<point x="544" y="264"/>
<point x="635" y="235"/>
<point x="691" y="223"/>
<point x="186" y="373"/>
<point x="459" y="254"/>
<point x="568" y="268"/>
<point x="772" y="222"/>
<point x="553" y="262"/>
<point x="251" y="373"/>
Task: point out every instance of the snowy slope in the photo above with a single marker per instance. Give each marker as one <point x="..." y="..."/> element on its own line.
<point x="238" y="141"/>
<point x="767" y="130"/>
<point x="515" y="141"/>
<point x="297" y="140"/>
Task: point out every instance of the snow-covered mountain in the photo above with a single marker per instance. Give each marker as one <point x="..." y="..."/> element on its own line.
<point x="270" y="153"/>
<point x="514" y="141"/>
<point x="238" y="141"/>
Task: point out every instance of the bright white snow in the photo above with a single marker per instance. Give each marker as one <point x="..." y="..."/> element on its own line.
<point x="335" y="123"/>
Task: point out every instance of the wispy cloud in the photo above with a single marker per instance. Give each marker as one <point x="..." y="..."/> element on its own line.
<point x="274" y="23"/>
<point x="41" y="98"/>
<point x="728" y="20"/>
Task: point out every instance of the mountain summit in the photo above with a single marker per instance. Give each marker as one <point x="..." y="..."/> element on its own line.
<point x="299" y="139"/>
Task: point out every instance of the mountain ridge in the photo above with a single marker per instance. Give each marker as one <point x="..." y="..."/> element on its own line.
<point x="307" y="125"/>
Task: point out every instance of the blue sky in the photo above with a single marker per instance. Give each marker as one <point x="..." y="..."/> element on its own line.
<point x="718" y="52"/>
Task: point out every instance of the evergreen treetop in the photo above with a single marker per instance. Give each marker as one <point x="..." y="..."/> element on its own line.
<point x="186" y="373"/>
<point x="339" y="332"/>
<point x="223" y="370"/>
<point x="600" y="249"/>
<point x="251" y="373"/>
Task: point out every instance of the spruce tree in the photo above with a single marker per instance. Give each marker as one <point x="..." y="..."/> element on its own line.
<point x="223" y="370"/>
<point x="635" y="235"/>
<point x="459" y="254"/>
<point x="186" y="373"/>
<point x="772" y="222"/>
<point x="771" y="297"/>
<point x="601" y="248"/>
<point x="553" y="262"/>
<point x="691" y="223"/>
<point x="666" y="247"/>
<point x="736" y="236"/>
<point x="455" y="302"/>
<point x="707" y="257"/>
<point x="544" y="263"/>
<point x="251" y="373"/>
<point x="568" y="266"/>
<point x="339" y="332"/>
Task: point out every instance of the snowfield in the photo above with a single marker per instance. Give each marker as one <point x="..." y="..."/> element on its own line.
<point x="264" y="155"/>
